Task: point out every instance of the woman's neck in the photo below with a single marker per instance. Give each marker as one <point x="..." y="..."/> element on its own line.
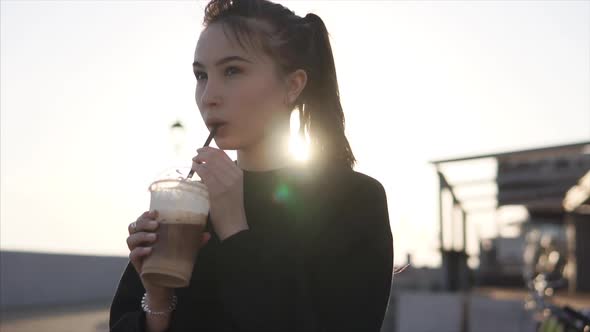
<point x="270" y="154"/>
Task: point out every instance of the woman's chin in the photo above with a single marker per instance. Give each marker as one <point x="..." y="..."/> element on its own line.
<point x="225" y="144"/>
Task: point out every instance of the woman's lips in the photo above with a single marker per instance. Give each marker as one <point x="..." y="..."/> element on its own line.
<point x="214" y="124"/>
<point x="218" y="128"/>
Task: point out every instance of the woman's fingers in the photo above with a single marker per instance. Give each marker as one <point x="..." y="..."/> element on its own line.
<point x="216" y="153"/>
<point x="209" y="178"/>
<point x="142" y="231"/>
<point x="215" y="158"/>
<point x="216" y="170"/>
<point x="145" y="222"/>
<point x="137" y="255"/>
<point x="141" y="238"/>
<point x="140" y="243"/>
<point x="132" y="228"/>
<point x="226" y="173"/>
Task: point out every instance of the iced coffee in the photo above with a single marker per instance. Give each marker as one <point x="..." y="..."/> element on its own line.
<point x="183" y="206"/>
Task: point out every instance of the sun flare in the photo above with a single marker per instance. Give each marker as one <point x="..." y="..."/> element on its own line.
<point x="298" y="144"/>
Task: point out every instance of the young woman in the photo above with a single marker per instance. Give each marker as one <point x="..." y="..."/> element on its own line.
<point x="289" y="247"/>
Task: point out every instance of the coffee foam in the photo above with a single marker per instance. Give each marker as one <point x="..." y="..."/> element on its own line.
<point x="166" y="216"/>
<point x="179" y="185"/>
<point x="180" y="201"/>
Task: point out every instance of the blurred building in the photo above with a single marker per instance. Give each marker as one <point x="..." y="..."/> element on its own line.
<point x="551" y="184"/>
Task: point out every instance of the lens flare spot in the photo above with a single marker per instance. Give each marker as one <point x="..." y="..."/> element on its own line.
<point x="282" y="193"/>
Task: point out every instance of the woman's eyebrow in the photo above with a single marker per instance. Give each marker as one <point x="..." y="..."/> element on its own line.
<point x="225" y="60"/>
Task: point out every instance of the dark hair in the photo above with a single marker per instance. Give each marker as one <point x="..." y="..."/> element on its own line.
<point x="294" y="42"/>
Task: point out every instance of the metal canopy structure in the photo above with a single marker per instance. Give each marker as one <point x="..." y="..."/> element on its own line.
<point x="537" y="179"/>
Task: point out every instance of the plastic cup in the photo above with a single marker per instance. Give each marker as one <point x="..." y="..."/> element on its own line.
<point x="183" y="206"/>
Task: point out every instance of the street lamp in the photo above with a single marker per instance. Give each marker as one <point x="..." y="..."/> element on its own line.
<point x="178" y="136"/>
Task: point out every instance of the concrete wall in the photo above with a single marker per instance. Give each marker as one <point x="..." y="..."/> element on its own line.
<point x="34" y="279"/>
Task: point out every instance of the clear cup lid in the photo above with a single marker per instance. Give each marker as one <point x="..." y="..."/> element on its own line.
<point x="176" y="178"/>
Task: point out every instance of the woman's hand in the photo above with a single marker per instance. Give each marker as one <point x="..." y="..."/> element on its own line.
<point x="225" y="183"/>
<point x="142" y="236"/>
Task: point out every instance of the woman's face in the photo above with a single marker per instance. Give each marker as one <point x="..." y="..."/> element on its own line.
<point x="239" y="89"/>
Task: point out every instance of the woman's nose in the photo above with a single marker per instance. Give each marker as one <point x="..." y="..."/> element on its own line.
<point x="211" y="94"/>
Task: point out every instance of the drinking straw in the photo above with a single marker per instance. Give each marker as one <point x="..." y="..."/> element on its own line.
<point x="207" y="142"/>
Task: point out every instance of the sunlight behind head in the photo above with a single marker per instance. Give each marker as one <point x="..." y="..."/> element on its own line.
<point x="298" y="143"/>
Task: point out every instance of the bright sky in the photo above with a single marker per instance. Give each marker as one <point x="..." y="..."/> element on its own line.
<point x="89" y="90"/>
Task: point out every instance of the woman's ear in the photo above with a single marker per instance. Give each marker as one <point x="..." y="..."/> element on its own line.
<point x="295" y="83"/>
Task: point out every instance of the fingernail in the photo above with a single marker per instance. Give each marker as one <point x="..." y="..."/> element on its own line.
<point x="153" y="223"/>
<point x="152" y="236"/>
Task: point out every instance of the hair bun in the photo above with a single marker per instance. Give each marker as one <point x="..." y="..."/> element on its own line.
<point x="311" y="18"/>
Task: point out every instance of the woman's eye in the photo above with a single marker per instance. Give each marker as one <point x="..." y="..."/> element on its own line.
<point x="230" y="71"/>
<point x="200" y="75"/>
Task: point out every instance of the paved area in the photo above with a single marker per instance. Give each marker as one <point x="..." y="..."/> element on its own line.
<point x="82" y="318"/>
<point x="488" y="310"/>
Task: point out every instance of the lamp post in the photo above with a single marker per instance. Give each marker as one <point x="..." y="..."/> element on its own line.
<point x="178" y="134"/>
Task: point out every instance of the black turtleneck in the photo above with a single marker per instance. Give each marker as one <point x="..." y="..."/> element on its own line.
<point x="318" y="257"/>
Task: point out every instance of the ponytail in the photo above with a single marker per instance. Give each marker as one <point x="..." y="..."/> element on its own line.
<point x="320" y="108"/>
